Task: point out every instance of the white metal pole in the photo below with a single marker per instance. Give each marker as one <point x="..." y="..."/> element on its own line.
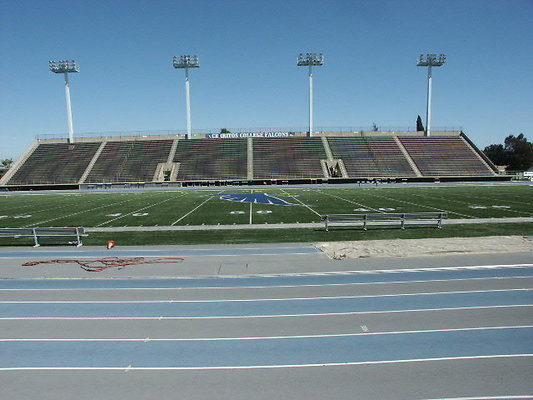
<point x="69" y="111"/>
<point x="188" y="104"/>
<point x="310" y="100"/>
<point x="428" y="109"/>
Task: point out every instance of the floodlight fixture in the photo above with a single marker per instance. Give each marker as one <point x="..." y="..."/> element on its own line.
<point x="65" y="67"/>
<point x="186" y="62"/>
<point x="305" y="59"/>
<point x="430" y="60"/>
<point x="310" y="60"/>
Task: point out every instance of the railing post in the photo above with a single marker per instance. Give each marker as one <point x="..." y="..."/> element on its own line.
<point x="78" y="236"/>
<point x="35" y="237"/>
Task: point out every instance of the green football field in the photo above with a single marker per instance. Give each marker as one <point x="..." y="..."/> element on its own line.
<point x="208" y="206"/>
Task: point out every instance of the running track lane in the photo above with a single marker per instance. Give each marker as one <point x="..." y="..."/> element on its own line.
<point x="290" y="351"/>
<point x="82" y="253"/>
<point x="417" y="275"/>
<point x="255" y="308"/>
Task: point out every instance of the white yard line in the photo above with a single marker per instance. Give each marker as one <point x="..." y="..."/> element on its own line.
<point x="22" y="209"/>
<point x="305" y="205"/>
<point x="194" y="209"/>
<point x="489" y="207"/>
<point x="349" y="201"/>
<point x="421" y="205"/>
<point x="140" y="209"/>
<point x="79" y="212"/>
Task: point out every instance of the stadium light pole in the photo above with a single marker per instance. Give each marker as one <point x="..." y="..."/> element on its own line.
<point x="187" y="62"/>
<point x="430" y="60"/>
<point x="310" y="60"/>
<point x="65" y="67"/>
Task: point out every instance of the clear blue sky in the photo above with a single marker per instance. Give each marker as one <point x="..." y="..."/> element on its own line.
<point x="248" y="75"/>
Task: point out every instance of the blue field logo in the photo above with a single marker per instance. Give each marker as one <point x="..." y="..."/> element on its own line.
<point x="255" y="198"/>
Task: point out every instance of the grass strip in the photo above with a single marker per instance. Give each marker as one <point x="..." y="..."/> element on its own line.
<point x="304" y="235"/>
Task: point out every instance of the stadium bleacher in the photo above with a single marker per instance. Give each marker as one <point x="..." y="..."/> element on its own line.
<point x="288" y="157"/>
<point x="55" y="163"/>
<point x="371" y="157"/>
<point x="350" y="157"/>
<point x="212" y="159"/>
<point x="129" y="161"/>
<point x="445" y="156"/>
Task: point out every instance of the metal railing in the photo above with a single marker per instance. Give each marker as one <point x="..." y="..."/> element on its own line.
<point x="297" y="129"/>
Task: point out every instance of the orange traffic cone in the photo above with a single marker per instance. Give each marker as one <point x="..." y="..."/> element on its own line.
<point x="110" y="244"/>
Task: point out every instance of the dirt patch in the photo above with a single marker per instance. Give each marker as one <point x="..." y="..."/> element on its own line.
<point x="426" y="247"/>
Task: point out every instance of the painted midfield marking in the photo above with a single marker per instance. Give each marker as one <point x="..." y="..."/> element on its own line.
<point x="256" y="198"/>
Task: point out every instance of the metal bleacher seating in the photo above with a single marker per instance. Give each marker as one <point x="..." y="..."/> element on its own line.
<point x="444" y="156"/>
<point x="366" y="157"/>
<point x="129" y="161"/>
<point x="294" y="157"/>
<point x="205" y="159"/>
<point x="55" y="163"/>
<point x="142" y="160"/>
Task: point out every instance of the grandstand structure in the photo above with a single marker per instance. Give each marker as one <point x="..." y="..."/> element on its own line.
<point x="291" y="157"/>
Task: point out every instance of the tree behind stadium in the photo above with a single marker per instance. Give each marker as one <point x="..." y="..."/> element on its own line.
<point x="516" y="153"/>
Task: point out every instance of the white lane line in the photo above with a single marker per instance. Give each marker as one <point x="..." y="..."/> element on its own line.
<point x="260" y="299"/>
<point x="333" y="335"/>
<point x="524" y="397"/>
<point x="133" y="368"/>
<point x="499" y="279"/>
<point x="262" y="316"/>
<point x="291" y="274"/>
<point x="338" y="273"/>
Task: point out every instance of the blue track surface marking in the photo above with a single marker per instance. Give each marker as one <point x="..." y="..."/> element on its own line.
<point x="239" y="308"/>
<point x="159" y="253"/>
<point x="268" y="281"/>
<point x="267" y="352"/>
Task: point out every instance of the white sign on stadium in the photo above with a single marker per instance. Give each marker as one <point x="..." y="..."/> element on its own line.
<point x="248" y="134"/>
